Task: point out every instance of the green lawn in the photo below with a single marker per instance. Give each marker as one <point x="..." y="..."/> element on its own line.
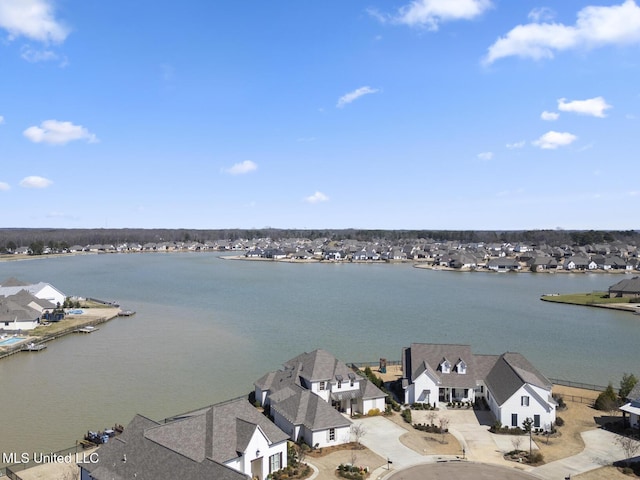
<point x="592" y="298"/>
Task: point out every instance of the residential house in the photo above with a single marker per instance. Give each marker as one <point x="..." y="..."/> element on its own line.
<point x="308" y="394"/>
<point x="41" y="290"/>
<point x="579" y="262"/>
<point x="503" y="264"/>
<point x="229" y="441"/>
<point x="511" y="386"/>
<point x="632" y="407"/>
<point x="629" y="287"/>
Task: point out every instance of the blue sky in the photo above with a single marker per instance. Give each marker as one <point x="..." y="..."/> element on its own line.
<point x="431" y="114"/>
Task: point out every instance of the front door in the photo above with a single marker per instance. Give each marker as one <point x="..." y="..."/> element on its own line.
<point x="256" y="468"/>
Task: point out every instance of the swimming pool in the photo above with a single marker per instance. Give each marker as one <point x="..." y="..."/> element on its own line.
<point x="11" y="341"/>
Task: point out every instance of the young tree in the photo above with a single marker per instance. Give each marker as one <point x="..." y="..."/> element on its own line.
<point x="444" y="425"/>
<point x="527" y="425"/>
<point x="358" y="431"/>
<point x="627" y="383"/>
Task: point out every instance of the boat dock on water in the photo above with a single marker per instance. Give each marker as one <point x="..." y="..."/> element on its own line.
<point x="33" y="347"/>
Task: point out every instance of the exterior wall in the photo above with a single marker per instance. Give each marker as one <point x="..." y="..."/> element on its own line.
<point x="47" y="292"/>
<point x="321" y="437"/>
<point x="416" y="389"/>
<point x="15" y="326"/>
<point x="259" y="443"/>
<point x="285" y="425"/>
<point x="324" y="394"/>
<point x="514" y="405"/>
<point x="365" y="405"/>
<point x="261" y="396"/>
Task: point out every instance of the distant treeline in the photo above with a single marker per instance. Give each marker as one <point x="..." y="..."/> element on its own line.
<point x="10" y="238"/>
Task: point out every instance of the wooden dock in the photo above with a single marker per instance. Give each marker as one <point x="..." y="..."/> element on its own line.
<point x="33" y="347"/>
<point x="87" y="329"/>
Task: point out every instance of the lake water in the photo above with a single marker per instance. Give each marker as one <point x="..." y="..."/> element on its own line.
<point x="207" y="328"/>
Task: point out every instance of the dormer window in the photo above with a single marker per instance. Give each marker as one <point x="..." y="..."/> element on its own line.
<point x="445" y="366"/>
<point x="461" y="367"/>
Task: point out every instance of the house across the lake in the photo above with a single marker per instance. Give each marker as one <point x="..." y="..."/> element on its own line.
<point x="512" y="387"/>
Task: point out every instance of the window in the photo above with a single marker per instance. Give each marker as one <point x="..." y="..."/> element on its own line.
<point x="275" y="462"/>
<point x="536" y="421"/>
<point x="332" y="434"/>
<point x="339" y="383"/>
<point x="352" y="382"/>
<point x="524" y="401"/>
<point x="514" y="419"/>
<point x="322" y="386"/>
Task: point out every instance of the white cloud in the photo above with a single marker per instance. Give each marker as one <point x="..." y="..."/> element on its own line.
<point x="552" y="140"/>
<point x="1" y="119"/>
<point x="485" y="155"/>
<point x="317" y="198"/>
<point x="34" y="55"/>
<point x="4" y="187"/>
<point x="431" y="13"/>
<point x="594" y="27"/>
<point x="242" y="168"/>
<point x="549" y="116"/>
<point x="33" y="19"/>
<point x="592" y="106"/>
<point x="35" y="182"/>
<point x="357" y="93"/>
<point x="55" y="132"/>
<point x="541" y="14"/>
<point x="515" y="145"/>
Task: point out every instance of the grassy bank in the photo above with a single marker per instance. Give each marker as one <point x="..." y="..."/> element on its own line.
<point x="588" y="299"/>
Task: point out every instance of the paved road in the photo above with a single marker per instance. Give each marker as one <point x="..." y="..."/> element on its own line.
<point x="459" y="471"/>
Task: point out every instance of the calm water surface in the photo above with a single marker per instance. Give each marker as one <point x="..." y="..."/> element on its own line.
<point x="207" y="328"/>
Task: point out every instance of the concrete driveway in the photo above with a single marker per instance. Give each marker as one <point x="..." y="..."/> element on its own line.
<point x="383" y="438"/>
<point x="601" y="448"/>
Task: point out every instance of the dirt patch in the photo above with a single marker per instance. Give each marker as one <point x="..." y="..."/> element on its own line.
<point x="426" y="443"/>
<point x="328" y="463"/>
<point x="604" y="473"/>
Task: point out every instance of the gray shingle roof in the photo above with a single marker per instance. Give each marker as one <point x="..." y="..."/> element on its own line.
<point x="429" y="356"/>
<point x="303" y="407"/>
<point x="133" y="455"/>
<point x="510" y="372"/>
<point x="318" y="365"/>
<point x="216" y="427"/>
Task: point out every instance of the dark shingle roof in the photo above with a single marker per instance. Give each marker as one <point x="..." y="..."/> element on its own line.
<point x="133" y="455"/>
<point x="510" y="372"/>
<point x="429" y="356"/>
<point x="303" y="407"/>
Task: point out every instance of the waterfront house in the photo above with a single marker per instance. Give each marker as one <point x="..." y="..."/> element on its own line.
<point x="15" y="317"/>
<point x="229" y="441"/>
<point x="308" y="394"/>
<point x="503" y="264"/>
<point x="632" y="407"/>
<point x="441" y="374"/>
<point x="629" y="287"/>
<point x="42" y="290"/>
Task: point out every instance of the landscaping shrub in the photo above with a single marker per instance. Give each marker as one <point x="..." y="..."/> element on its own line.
<point x="559" y="421"/>
<point x="406" y="414"/>
<point x="536" y="457"/>
<point x="373" y="412"/>
<point x="607" y="400"/>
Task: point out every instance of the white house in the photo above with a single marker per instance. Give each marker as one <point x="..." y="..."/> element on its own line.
<point x="229" y="441"/>
<point x="308" y="394"/>
<point x="21" y="311"/>
<point x="632" y="407"/>
<point x="41" y="290"/>
<point x="512" y="387"/>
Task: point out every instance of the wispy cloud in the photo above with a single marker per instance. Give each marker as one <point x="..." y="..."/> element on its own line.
<point x="357" y="93"/>
<point x="552" y="140"/>
<point x="4" y="186"/>
<point x="593" y="106"/>
<point x="595" y="27"/>
<point x="541" y="14"/>
<point x="549" y="116"/>
<point x="431" y="13"/>
<point x="485" y="155"/>
<point x="516" y="145"/>
<point x="33" y="19"/>
<point x="1" y="119"/>
<point x="54" y="132"/>
<point x="241" y="168"/>
<point x="317" y="197"/>
<point x="35" y="182"/>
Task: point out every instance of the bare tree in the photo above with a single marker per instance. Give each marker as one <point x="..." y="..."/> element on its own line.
<point x="444" y="426"/>
<point x="516" y="441"/>
<point x="629" y="446"/>
<point x="431" y="416"/>
<point x="358" y="431"/>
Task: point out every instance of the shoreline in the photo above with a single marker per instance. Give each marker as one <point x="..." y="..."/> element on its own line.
<point x="76" y="322"/>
